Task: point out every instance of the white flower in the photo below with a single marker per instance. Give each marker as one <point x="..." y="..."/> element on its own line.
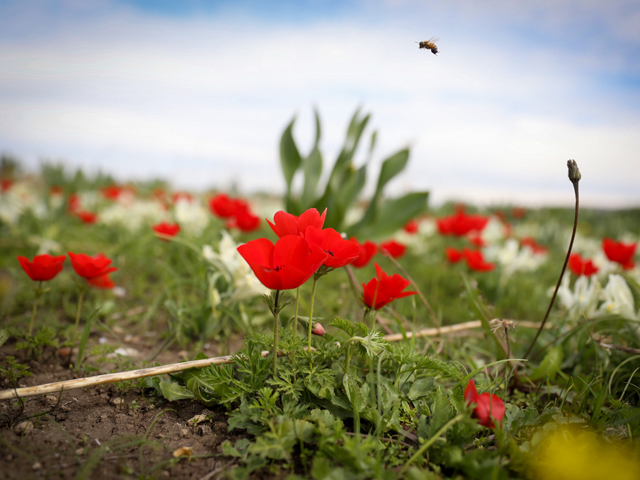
<point x="583" y="299"/>
<point x="133" y="216"/>
<point x="242" y="279"/>
<point x="191" y="216"/>
<point x="512" y="258"/>
<point x="493" y="232"/>
<point x="618" y="299"/>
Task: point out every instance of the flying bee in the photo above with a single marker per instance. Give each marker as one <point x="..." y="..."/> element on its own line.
<point x="430" y="45"/>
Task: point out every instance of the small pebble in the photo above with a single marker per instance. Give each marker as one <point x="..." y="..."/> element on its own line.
<point x="36" y="466"/>
<point x="116" y="401"/>
<point x="195" y="420"/>
<point x="204" y="430"/>
<point x="24" y="428"/>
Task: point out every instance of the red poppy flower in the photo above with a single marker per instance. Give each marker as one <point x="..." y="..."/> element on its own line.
<point x="384" y="289"/>
<point x="487" y="407"/>
<point x="287" y="264"/>
<point x="411" y="227"/>
<point x="184" y="196"/>
<point x="341" y="252"/>
<point x="222" y="206"/>
<point x="87" y="217"/>
<point x="460" y="224"/>
<point x="43" y="267"/>
<point x="453" y="255"/>
<point x="103" y="281"/>
<point x="533" y="245"/>
<point x="90" y="267"/>
<point x="476" y="261"/>
<point x="367" y="250"/>
<point x="619" y="252"/>
<point x="393" y="248"/>
<point x="5" y="184"/>
<point x="287" y="224"/>
<point x="111" y="192"/>
<point x="581" y="266"/>
<point x="476" y="240"/>
<point x="245" y="221"/>
<point x="74" y="203"/>
<point x="56" y="191"/>
<point x="168" y="229"/>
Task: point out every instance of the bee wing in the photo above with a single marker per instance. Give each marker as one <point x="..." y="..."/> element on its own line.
<point x="434" y="39"/>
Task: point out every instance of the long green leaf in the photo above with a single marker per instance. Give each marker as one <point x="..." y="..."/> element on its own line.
<point x="391" y="167"/>
<point x="391" y="217"/>
<point x="312" y="168"/>
<point x="289" y="155"/>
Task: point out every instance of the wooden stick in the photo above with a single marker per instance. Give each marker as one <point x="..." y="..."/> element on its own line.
<point x="620" y="347"/>
<point x="178" y="367"/>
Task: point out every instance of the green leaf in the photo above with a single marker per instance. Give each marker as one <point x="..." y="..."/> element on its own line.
<point x="4" y="336"/>
<point x="85" y="336"/>
<point x="229" y="450"/>
<point x="420" y="388"/>
<point x="172" y="391"/>
<point x="391" y="167"/>
<point x="550" y="364"/>
<point x="391" y="217"/>
<point x="289" y="155"/>
<point x="312" y="168"/>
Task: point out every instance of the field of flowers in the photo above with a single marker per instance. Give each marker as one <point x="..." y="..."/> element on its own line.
<point x="410" y="341"/>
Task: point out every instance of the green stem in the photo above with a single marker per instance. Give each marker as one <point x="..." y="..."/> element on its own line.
<point x="276" y="314"/>
<point x="294" y="324"/>
<point x="374" y="314"/>
<point x="347" y="358"/>
<point x="35" y="306"/>
<point x="75" y="330"/>
<point x="430" y="442"/>
<point x="313" y="296"/>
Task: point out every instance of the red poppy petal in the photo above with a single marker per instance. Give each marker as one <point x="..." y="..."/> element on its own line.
<point x="471" y="393"/>
<point x="311" y="218"/>
<point x="258" y="252"/>
<point x="285" y="224"/>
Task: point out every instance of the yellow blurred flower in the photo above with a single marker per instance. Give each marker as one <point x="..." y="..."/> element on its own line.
<point x="570" y="453"/>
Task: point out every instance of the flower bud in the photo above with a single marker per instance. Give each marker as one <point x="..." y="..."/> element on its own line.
<point x="574" y="172"/>
<point x="318" y="329"/>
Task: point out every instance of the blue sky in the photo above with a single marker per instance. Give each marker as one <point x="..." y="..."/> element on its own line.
<point x="199" y="92"/>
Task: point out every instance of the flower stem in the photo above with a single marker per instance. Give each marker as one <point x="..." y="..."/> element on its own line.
<point x="276" y="314"/>
<point x="574" y="176"/>
<point x="294" y="324"/>
<point x="313" y="296"/>
<point x="35" y="306"/>
<point x="75" y="330"/>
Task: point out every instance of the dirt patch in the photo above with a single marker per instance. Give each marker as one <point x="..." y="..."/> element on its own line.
<point x="108" y="432"/>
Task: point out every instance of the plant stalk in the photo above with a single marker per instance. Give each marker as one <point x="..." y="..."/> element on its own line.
<point x="80" y="299"/>
<point x="35" y="306"/>
<point x="574" y="176"/>
<point x="276" y="314"/>
<point x="313" y="296"/>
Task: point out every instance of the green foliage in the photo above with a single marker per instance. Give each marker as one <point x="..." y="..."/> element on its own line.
<point x="345" y="183"/>
<point x="13" y="371"/>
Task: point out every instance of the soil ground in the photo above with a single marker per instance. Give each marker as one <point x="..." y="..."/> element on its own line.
<point x="99" y="432"/>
